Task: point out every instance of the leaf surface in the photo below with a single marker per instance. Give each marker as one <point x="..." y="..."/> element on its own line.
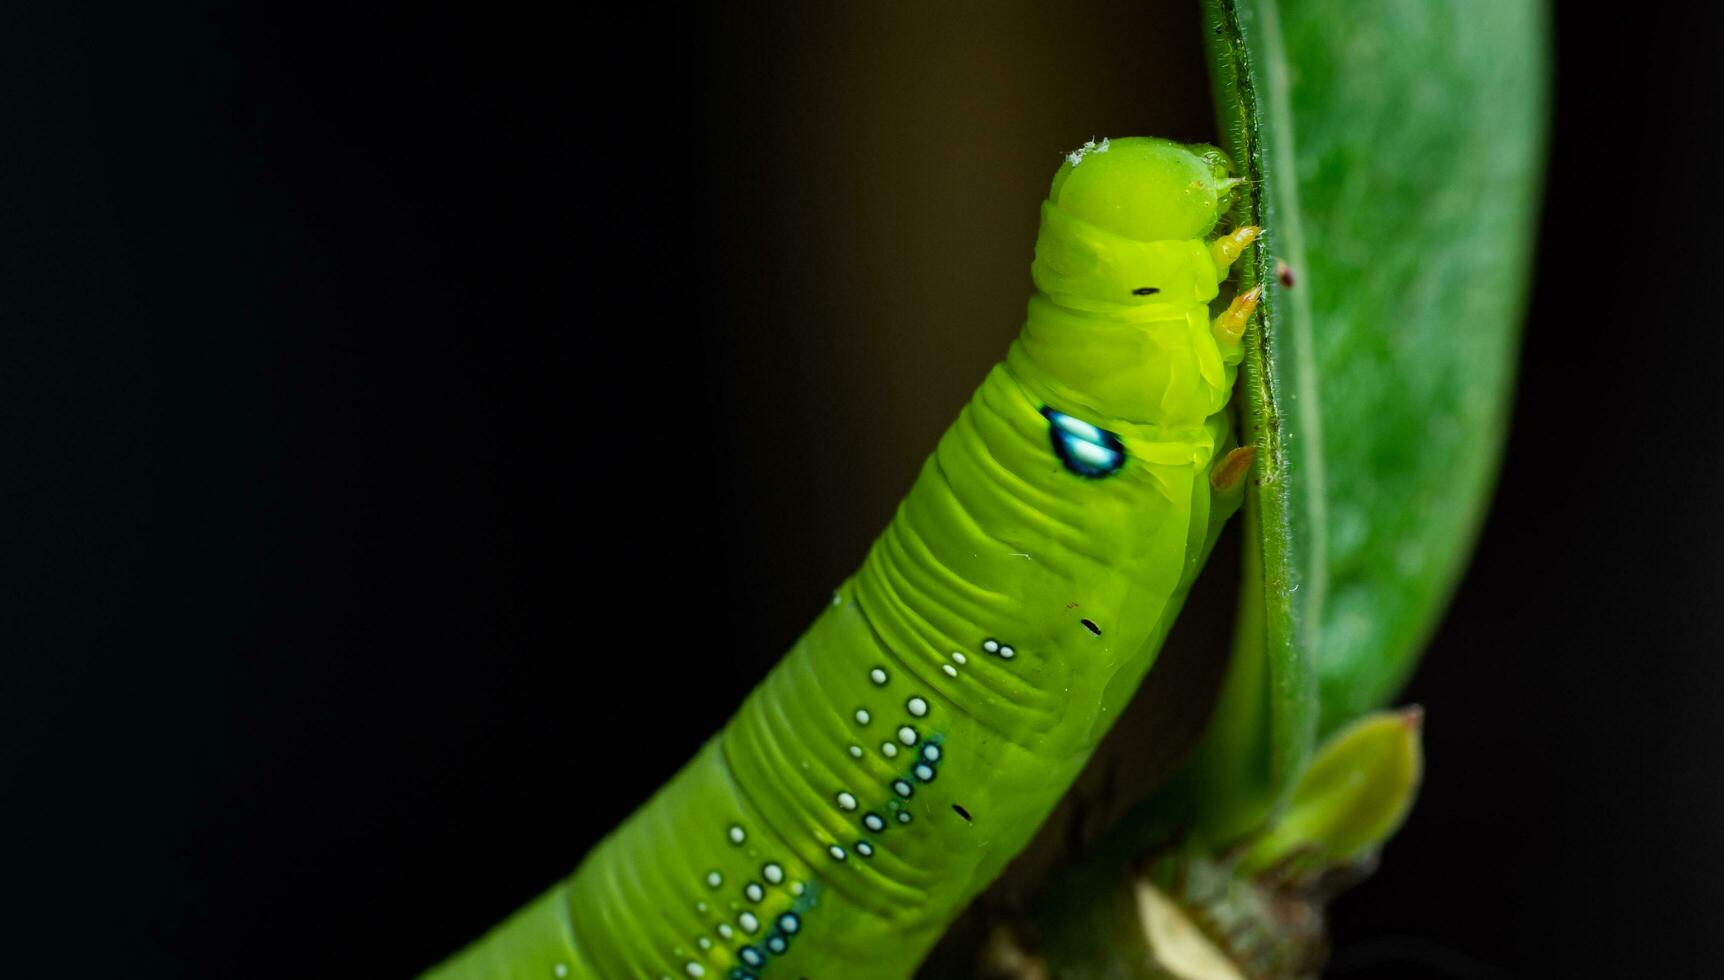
<point x="1395" y="149"/>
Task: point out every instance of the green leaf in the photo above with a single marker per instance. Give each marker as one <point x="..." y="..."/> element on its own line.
<point x="1348" y="801"/>
<point x="1395" y="148"/>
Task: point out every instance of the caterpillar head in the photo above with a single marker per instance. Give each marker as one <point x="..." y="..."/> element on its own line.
<point x="1124" y="224"/>
<point x="1144" y="188"/>
<point x="1122" y="273"/>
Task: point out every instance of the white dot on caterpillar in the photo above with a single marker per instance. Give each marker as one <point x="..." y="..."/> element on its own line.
<point x="700" y="906"/>
<point x="774" y="874"/>
<point x="737" y="835"/>
<point x="1006" y="652"/>
<point x="703" y="943"/>
<point x="931" y="752"/>
<point x="560" y="970"/>
<point x="836" y="851"/>
<point x="958" y="658"/>
<point x="991" y="646"/>
<point x="855" y="751"/>
<point x="788" y="923"/>
<point x="751" y="956"/>
<point x="714" y="879"/>
<point x="725" y="931"/>
<point x="748" y="922"/>
<point x="888" y="750"/>
<point x="864" y="848"/>
<point x="862" y="716"/>
<point x="694" y="969"/>
<point x="950" y="670"/>
<point x="917" y="707"/>
<point x="903" y="816"/>
<point x="902" y="788"/>
<point x="925" y="772"/>
<point x="846" y="801"/>
<point x="877" y="675"/>
<point x="873" y="822"/>
<point x="754" y="892"/>
<point x="797" y="888"/>
<point x="907" y="735"/>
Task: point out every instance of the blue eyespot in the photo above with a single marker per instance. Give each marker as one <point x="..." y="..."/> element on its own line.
<point x="1087" y="450"/>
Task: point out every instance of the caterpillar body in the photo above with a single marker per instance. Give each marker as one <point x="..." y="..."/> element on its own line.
<point x="914" y="738"/>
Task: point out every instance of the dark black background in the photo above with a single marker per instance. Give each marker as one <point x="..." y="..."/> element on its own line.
<point x="419" y="430"/>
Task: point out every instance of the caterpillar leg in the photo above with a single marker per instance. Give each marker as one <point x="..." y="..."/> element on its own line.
<point x="1229" y="327"/>
<point x="1227" y="249"/>
<point x="1229" y="472"/>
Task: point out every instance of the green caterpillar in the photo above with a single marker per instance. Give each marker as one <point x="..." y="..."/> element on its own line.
<point x="915" y="737"/>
